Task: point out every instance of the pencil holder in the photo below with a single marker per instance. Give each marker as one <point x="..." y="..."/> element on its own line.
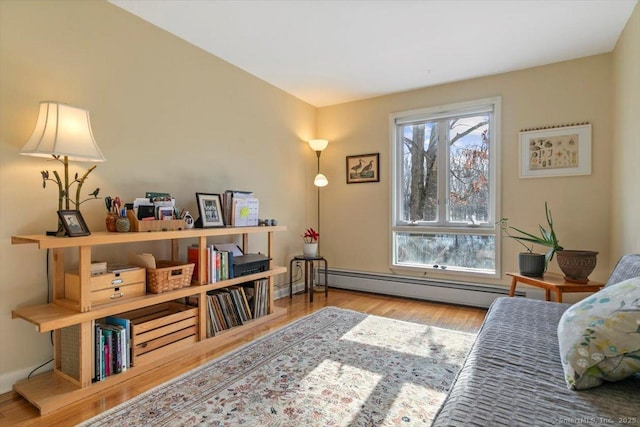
<point x="122" y="224"/>
<point x="110" y="222"/>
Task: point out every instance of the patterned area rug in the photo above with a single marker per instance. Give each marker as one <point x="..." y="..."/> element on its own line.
<point x="334" y="367"/>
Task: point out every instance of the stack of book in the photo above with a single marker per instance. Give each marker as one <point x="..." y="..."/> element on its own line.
<point x="227" y="308"/>
<point x="219" y="264"/>
<point x="112" y="347"/>
<point x="257" y="293"/>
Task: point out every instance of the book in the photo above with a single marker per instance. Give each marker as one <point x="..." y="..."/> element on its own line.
<point x="126" y="350"/>
<point x="97" y="352"/>
<point x="108" y="351"/>
<point x="193" y="256"/>
<point x="115" y="349"/>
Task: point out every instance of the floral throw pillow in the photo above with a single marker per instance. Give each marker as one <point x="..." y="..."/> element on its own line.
<point x="599" y="337"/>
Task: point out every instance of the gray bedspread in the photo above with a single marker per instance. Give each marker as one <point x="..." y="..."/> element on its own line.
<point x="513" y="377"/>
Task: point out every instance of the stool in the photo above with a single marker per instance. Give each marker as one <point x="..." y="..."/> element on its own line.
<point x="308" y="274"/>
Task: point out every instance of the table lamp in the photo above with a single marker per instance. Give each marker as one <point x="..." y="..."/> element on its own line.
<point x="64" y="133"/>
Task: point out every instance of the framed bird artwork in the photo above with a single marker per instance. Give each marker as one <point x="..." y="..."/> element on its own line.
<point x="363" y="168"/>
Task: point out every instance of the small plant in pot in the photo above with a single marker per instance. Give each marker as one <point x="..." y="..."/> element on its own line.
<point x="531" y="263"/>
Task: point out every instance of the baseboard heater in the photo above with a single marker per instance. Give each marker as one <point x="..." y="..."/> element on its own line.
<point x="471" y="294"/>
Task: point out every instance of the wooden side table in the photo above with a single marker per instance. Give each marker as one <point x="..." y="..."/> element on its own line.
<point x="553" y="282"/>
<point x="308" y="274"/>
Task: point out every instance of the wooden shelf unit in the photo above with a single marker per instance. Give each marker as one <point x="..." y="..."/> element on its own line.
<point x="52" y="390"/>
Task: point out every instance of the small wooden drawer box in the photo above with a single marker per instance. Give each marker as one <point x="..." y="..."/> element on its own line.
<point x="109" y="286"/>
<point x="161" y="329"/>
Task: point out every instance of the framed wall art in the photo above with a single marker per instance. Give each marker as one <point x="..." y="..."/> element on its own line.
<point x="363" y="168"/>
<point x="73" y="223"/>
<point x="555" y="151"/>
<point x="210" y="210"/>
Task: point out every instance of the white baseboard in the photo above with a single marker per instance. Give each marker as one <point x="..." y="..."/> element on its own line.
<point x="471" y="294"/>
<point x="283" y="292"/>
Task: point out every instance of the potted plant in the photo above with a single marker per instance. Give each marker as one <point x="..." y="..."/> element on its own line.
<point x="575" y="264"/>
<point x="531" y="263"/>
<point x="310" y="246"/>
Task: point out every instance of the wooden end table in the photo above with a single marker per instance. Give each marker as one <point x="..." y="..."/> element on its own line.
<point x="553" y="282"/>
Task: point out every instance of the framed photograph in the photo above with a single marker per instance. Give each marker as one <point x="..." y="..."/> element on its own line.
<point x="363" y="168"/>
<point x="210" y="210"/>
<point x="557" y="151"/>
<point x="146" y="211"/>
<point x="73" y="223"/>
<point x="164" y="212"/>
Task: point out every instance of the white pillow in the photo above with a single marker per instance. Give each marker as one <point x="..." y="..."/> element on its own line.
<point x="599" y="337"/>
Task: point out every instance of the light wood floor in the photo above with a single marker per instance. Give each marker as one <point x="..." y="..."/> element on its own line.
<point x="15" y="410"/>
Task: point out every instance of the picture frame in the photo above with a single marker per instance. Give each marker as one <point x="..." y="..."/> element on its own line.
<point x="363" y="168"/>
<point x="210" y="210"/>
<point x="164" y="213"/>
<point x="555" y="151"/>
<point x="73" y="223"/>
<point x="146" y="212"/>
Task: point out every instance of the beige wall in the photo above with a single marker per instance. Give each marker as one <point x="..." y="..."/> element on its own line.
<point x="168" y="117"/>
<point x="625" y="184"/>
<point x="356" y="217"/>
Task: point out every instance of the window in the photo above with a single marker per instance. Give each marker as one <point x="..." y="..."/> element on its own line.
<point x="444" y="188"/>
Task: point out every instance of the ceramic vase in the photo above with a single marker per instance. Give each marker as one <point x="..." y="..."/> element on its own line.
<point x="531" y="264"/>
<point x="310" y="250"/>
<point x="576" y="265"/>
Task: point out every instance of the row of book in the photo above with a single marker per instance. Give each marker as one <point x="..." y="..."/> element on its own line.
<point x="112" y="344"/>
<point x="235" y="305"/>
<point x="219" y="263"/>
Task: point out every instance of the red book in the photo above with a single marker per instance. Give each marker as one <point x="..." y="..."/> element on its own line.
<point x="107" y="361"/>
<point x="193" y="256"/>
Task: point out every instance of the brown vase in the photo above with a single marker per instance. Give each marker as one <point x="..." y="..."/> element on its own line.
<point x="576" y="265"/>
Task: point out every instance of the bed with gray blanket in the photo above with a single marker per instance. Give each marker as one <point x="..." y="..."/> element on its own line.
<point x="513" y="375"/>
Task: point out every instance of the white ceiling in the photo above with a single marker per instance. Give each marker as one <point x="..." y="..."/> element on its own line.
<point x="328" y="52"/>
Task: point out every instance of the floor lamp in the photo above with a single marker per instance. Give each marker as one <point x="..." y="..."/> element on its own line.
<point x="320" y="180"/>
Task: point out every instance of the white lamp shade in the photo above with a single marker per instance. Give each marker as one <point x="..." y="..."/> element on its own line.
<point x="320" y="180"/>
<point x="318" y="144"/>
<point x="63" y="130"/>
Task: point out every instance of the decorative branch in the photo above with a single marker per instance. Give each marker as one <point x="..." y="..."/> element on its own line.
<point x="80" y="183"/>
<point x="61" y="190"/>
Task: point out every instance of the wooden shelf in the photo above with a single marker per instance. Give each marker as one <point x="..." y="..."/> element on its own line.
<point x="61" y="387"/>
<point x="107" y="238"/>
<point x="49" y="317"/>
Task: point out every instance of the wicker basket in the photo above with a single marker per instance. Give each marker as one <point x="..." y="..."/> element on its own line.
<point x="168" y="275"/>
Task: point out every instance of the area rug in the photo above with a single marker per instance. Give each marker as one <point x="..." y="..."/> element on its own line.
<point x="334" y="367"/>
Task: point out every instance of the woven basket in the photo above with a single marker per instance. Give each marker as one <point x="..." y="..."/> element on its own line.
<point x="168" y="275"/>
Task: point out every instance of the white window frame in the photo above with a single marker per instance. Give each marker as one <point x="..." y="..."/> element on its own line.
<point x="441" y="226"/>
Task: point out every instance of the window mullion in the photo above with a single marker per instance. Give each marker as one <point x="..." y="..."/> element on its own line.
<point x="443" y="176"/>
